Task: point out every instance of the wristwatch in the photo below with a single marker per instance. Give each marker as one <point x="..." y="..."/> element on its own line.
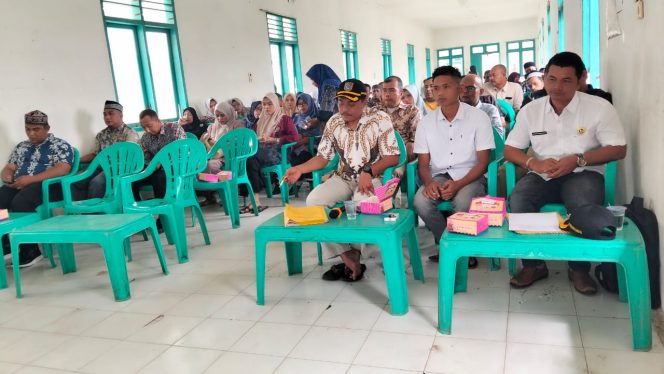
<point x="367" y="169"/>
<point x="580" y="161"/>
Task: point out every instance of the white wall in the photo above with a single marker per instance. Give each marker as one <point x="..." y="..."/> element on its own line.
<point x="223" y="44"/>
<point x="54" y="58"/>
<point x="55" y="55"/>
<point x="630" y="71"/>
<point x="483" y="34"/>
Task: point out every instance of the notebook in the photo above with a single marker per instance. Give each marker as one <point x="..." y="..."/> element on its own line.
<point x="535" y="223"/>
<point x="303" y="216"/>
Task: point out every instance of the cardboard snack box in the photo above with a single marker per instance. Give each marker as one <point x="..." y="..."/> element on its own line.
<point x="494" y="207"/>
<point x="468" y="223"/>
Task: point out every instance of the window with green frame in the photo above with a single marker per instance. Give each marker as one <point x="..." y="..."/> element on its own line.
<point x="484" y="56"/>
<point x="285" y="54"/>
<point x="591" y="52"/>
<point x="518" y="53"/>
<point x="411" y="63"/>
<point x="386" y="51"/>
<point x="145" y="57"/>
<point x="451" y="57"/>
<point x="349" y="51"/>
<point x="561" y="26"/>
<point x="549" y="49"/>
<point x="427" y="53"/>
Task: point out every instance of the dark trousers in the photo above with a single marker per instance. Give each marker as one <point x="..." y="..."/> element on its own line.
<point x="532" y="192"/>
<point x="27" y="199"/>
<point x="158" y="182"/>
<point x="254" y="174"/>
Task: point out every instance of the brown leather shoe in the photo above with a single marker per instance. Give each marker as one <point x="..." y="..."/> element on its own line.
<point x="528" y="276"/>
<point x="583" y="282"/>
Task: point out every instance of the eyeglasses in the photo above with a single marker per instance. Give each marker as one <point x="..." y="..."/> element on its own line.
<point x="469" y="88"/>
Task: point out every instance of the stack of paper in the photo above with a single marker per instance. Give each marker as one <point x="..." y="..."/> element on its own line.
<point x="544" y="223"/>
<point x="306" y="215"/>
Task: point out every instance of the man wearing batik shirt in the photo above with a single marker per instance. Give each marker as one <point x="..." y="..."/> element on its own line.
<point x="157" y="136"/>
<point x="116" y="131"/>
<point x="41" y="157"/>
<point x="365" y="142"/>
<point x="405" y="118"/>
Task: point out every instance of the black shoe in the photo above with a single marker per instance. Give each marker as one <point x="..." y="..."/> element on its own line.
<point x="28" y="257"/>
<point x="433" y="258"/>
<point x="335" y="273"/>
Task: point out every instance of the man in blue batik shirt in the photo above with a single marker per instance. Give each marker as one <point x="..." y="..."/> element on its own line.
<point x="40" y="157"/>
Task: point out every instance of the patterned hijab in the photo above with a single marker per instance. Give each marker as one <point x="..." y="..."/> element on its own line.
<point x="267" y="124"/>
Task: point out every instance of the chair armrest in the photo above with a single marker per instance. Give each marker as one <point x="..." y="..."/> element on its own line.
<point x="284" y="154"/>
<point x="492" y="177"/>
<point x="411" y="178"/>
<point x="67" y="181"/>
<point x="126" y="181"/>
<point x="318" y="174"/>
<point x="312" y="144"/>
<point x="510" y="177"/>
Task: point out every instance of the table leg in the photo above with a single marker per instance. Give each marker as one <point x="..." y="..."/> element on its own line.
<point x="231" y="192"/>
<point x="395" y="274"/>
<point x="180" y="235"/>
<point x="461" y="276"/>
<point x="3" y="277"/>
<point x="117" y="268"/>
<point x="414" y="253"/>
<point x="67" y="258"/>
<point x="157" y="246"/>
<point x="447" y="265"/>
<point x="622" y="283"/>
<point x="15" y="247"/>
<point x="260" y="245"/>
<point x="638" y="295"/>
<point x="294" y="257"/>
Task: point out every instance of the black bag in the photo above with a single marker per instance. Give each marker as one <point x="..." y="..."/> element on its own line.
<point x="646" y="221"/>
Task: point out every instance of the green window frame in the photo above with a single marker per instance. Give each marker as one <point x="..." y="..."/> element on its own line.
<point x="144" y="52"/>
<point x="451" y="57"/>
<point x="349" y="52"/>
<point x="484" y="56"/>
<point x="561" y="26"/>
<point x="549" y="48"/>
<point x="386" y="52"/>
<point x="284" y="53"/>
<point x="518" y="53"/>
<point x="427" y="54"/>
<point x="591" y="39"/>
<point x="411" y="63"/>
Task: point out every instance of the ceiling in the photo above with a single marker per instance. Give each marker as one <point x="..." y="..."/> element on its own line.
<point x="439" y="14"/>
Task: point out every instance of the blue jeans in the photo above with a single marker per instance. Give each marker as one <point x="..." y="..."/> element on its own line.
<point x="574" y="189"/>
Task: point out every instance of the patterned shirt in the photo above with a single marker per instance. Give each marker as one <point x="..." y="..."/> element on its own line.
<point x="109" y="136"/>
<point x="33" y="159"/>
<point x="374" y="138"/>
<point x="405" y="120"/>
<point x="152" y="144"/>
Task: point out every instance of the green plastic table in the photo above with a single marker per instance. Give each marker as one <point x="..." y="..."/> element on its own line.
<point x="627" y="250"/>
<point x="15" y="220"/>
<point x="366" y="229"/>
<point x="108" y="230"/>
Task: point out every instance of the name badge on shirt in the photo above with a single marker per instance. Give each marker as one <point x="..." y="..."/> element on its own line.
<point x="508" y="98"/>
<point x="539" y="133"/>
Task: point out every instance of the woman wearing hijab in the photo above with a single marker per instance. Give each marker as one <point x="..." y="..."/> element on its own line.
<point x="289" y="104"/>
<point x="327" y="82"/>
<point x="411" y="96"/>
<point x="191" y="123"/>
<point x="306" y="109"/>
<point x="210" y="104"/>
<point x="254" y="114"/>
<point x="273" y="128"/>
<point x="225" y="121"/>
<point x="239" y="107"/>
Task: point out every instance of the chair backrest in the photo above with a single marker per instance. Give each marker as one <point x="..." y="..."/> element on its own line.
<point x="509" y="112"/>
<point x="237" y="146"/>
<point x="191" y="135"/>
<point x="497" y="152"/>
<point x="181" y="160"/>
<point x="403" y="158"/>
<point x="116" y="161"/>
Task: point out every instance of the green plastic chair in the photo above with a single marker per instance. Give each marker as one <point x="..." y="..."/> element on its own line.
<point x="181" y="161"/>
<point x="45" y="210"/>
<point x="610" y="171"/>
<point x="509" y="111"/>
<point x="191" y="136"/>
<point x="116" y="161"/>
<point x="447" y="206"/>
<point x="279" y="170"/>
<point x="237" y="146"/>
<point x="387" y="175"/>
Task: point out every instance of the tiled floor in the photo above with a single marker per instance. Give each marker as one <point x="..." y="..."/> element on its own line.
<point x="203" y="318"/>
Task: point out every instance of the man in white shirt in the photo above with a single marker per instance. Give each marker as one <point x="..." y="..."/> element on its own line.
<point x="572" y="135"/>
<point x="500" y="88"/>
<point x="471" y="90"/>
<point x="453" y="145"/>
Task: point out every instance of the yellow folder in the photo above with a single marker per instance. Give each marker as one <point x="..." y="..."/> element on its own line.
<point x="306" y="215"/>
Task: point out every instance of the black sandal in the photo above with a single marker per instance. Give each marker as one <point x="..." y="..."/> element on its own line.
<point x="348" y="274"/>
<point x="335" y="273"/>
<point x="246" y="209"/>
<point x="472" y="262"/>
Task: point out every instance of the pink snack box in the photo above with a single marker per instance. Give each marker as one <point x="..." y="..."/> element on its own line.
<point x="382" y="201"/>
<point x="4" y="214"/>
<point x="493" y="207"/>
<point x="224" y="175"/>
<point x="467" y="223"/>
<point x="205" y="177"/>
